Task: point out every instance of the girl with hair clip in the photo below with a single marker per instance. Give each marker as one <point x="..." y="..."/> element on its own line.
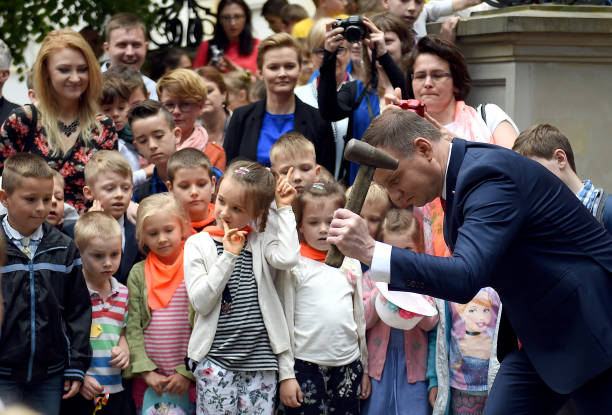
<point x="232" y="37"/>
<point x="158" y="323"/>
<point x="63" y="128"/>
<point x="357" y="100"/>
<point x="240" y="338"/>
<point x="397" y="356"/>
<point x="323" y="306"/>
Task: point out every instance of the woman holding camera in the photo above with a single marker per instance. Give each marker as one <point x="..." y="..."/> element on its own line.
<point x="358" y="101"/>
<point x="233" y="46"/>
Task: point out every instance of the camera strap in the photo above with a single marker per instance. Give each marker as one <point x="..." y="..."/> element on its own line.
<point x="373" y="83"/>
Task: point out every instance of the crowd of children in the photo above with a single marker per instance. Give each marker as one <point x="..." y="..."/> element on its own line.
<point x="208" y="291"/>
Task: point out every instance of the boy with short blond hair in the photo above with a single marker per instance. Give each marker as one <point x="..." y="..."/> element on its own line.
<point x="155" y="138"/>
<point x="191" y="180"/>
<point x="324" y="8"/>
<point x="108" y="184"/>
<point x="293" y="150"/>
<point x="98" y="237"/>
<point x="48" y="316"/>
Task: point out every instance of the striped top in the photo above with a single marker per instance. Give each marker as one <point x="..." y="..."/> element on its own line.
<point x="108" y="318"/>
<point x="167" y="336"/>
<point x="241" y="341"/>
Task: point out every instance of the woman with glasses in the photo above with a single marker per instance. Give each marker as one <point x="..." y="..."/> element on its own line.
<point x="357" y="100"/>
<point x="233" y="46"/>
<point x="308" y="93"/>
<point x="254" y="128"/>
<point x="439" y="78"/>
<point x="183" y="92"/>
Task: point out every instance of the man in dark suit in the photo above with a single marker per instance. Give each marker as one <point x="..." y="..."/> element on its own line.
<point x="513" y="226"/>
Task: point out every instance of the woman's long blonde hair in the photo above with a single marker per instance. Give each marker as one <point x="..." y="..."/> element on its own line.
<point x="48" y="102"/>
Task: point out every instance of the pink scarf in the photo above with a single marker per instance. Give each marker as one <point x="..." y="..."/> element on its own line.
<point x="197" y="139"/>
<point x="469" y="125"/>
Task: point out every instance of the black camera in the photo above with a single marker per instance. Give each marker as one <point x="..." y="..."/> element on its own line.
<point x="354" y="29"/>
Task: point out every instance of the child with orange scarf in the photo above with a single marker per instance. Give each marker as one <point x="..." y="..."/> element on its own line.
<point x="158" y="326"/>
<point x="191" y="181"/>
<point x="323" y="307"/>
<point x="240" y="338"/>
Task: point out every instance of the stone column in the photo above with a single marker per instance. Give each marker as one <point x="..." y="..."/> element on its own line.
<point x="547" y="63"/>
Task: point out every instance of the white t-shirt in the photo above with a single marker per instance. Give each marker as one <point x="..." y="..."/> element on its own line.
<point x="325" y="330"/>
<point x="494" y="116"/>
<point x="431" y="12"/>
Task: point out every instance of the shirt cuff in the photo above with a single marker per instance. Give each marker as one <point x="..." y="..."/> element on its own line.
<point x="380" y="269"/>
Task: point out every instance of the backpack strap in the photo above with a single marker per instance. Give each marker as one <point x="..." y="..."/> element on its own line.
<point x="483" y="111"/>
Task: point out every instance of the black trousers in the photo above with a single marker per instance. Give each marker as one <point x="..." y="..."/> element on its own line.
<point x="327" y="389"/>
<point x="519" y="390"/>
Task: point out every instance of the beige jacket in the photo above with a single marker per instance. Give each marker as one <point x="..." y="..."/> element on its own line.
<point x="207" y="273"/>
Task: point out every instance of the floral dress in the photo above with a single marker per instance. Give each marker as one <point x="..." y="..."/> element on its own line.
<point x="23" y="132"/>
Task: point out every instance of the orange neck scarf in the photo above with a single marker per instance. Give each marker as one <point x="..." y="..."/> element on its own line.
<point x="203" y="223"/>
<point x="309" y="252"/>
<point x="162" y="279"/>
<point x="217" y="231"/>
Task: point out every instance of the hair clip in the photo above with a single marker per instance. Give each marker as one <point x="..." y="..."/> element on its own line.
<point x="241" y="170"/>
<point x="318" y="186"/>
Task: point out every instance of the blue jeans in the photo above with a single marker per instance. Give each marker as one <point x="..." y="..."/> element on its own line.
<point x="44" y="396"/>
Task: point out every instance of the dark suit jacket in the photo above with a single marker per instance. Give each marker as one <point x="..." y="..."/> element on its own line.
<point x="130" y="254"/>
<point x="245" y="126"/>
<point x="512" y="225"/>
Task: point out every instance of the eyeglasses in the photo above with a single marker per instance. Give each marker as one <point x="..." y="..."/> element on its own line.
<point x="182" y="106"/>
<point x="227" y="18"/>
<point x="321" y="51"/>
<point x="435" y="76"/>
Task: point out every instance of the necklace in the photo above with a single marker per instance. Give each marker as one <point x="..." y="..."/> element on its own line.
<point x="68" y="129"/>
<point x="472" y="333"/>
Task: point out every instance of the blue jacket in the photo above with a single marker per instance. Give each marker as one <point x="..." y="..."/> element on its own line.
<point x="512" y="225"/>
<point x="47" y="311"/>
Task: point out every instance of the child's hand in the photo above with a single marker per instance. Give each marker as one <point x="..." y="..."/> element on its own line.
<point x="156" y="381"/>
<point x="433" y="394"/>
<point x="290" y="393"/>
<point x="132" y="211"/>
<point x="121" y="357"/>
<point x="96" y="207"/>
<point x="71" y="388"/>
<point x="91" y="388"/>
<point x="366" y="387"/>
<point x="178" y="384"/>
<point x="285" y="193"/>
<point x="233" y="241"/>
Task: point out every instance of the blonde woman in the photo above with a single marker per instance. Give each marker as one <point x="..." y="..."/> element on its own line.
<point x="63" y="128"/>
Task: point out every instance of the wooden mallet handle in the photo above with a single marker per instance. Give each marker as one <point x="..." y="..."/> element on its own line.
<point x="369" y="158"/>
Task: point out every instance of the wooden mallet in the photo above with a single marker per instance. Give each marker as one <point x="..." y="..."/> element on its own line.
<point x="369" y="158"/>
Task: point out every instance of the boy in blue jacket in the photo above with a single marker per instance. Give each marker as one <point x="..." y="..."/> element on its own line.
<point x="44" y="341"/>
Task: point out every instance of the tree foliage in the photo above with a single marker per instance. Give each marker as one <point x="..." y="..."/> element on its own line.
<point x="25" y="21"/>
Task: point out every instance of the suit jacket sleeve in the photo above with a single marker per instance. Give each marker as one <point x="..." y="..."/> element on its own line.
<point x="492" y="215"/>
<point x="334" y="105"/>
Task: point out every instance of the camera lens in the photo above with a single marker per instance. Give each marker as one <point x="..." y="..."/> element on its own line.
<point x="353" y="33"/>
